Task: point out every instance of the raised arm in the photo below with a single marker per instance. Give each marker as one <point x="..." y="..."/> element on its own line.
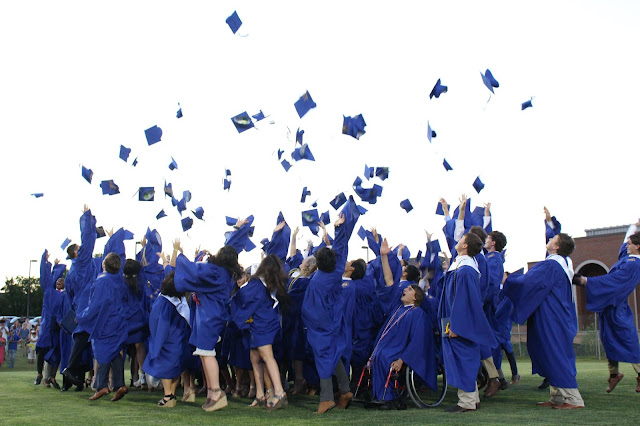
<point x="445" y="208"/>
<point x="176" y="248"/>
<point x="459" y="229"/>
<point x="292" y="246"/>
<point x="386" y="269"/>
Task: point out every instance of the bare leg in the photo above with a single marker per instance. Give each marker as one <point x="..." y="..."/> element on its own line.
<point x="257" y="373"/>
<point x="266" y="353"/>
<point x="212" y="373"/>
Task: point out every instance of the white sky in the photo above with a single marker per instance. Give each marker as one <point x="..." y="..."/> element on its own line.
<point x="80" y="78"/>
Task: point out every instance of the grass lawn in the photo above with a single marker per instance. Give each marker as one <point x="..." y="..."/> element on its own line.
<point x="24" y="403"/>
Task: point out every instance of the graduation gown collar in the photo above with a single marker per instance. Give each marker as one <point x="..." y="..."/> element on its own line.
<point x="272" y="294"/>
<point x="564" y="262"/>
<point x="464" y="260"/>
<point x="181" y="306"/>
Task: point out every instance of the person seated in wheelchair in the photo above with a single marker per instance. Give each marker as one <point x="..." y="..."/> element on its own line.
<point x="406" y="337"/>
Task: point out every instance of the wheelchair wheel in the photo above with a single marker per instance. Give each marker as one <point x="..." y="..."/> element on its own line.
<point x="420" y="394"/>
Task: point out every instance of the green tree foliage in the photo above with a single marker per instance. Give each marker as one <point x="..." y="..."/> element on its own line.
<point x="13" y="297"/>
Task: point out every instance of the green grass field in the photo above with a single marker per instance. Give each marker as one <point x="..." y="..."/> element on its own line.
<point x="22" y="403"/>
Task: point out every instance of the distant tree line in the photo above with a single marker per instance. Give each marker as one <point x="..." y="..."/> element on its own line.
<point x="13" y="297"/>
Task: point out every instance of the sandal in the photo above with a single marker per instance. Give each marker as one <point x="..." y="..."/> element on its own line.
<point x="252" y="392"/>
<point x="281" y="402"/>
<point x="236" y="393"/>
<point x="258" y="402"/>
<point x="189" y="395"/>
<point x="168" y="403"/>
<point x="214" y="405"/>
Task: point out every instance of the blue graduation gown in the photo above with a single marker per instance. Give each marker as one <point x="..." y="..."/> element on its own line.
<point x="293" y="330"/>
<point x="152" y="273"/>
<point x="212" y="285"/>
<point x="60" y="305"/>
<point x="349" y="296"/>
<point x="543" y="298"/>
<point x="48" y="326"/>
<point x="608" y="296"/>
<point x="367" y="319"/>
<point x="168" y="339"/>
<point x="323" y="306"/>
<point x="137" y="313"/>
<point x="463" y="306"/>
<point x="411" y="340"/>
<point x="104" y="317"/>
<point x="253" y="301"/>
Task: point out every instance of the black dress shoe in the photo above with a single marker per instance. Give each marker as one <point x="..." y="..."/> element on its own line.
<point x="72" y="377"/>
<point x="55" y="384"/>
<point x="544" y="384"/>
<point x="79" y="388"/>
<point x="38" y="380"/>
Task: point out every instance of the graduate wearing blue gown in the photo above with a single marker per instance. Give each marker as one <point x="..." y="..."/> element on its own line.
<point x="543" y="297"/>
<point x="323" y="311"/>
<point x="465" y="327"/>
<point x="608" y="296"/>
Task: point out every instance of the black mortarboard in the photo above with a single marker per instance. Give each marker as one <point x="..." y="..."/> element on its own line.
<point x="446" y="165"/>
<point x="242" y="122"/>
<point x="65" y="243"/>
<point x="286" y="165"/>
<point x="439" y="209"/>
<point x="478" y="185"/>
<point x="406" y="205"/>
<point x="146" y="193"/>
<point x="87" y="174"/>
<point x="338" y="201"/>
<point x="368" y="172"/>
<point x="489" y="81"/>
<point x="310" y="218"/>
<point x="299" y="135"/>
<point x="302" y="153"/>
<point x="173" y="165"/>
<point x="199" y="213"/>
<point x="438" y="90"/>
<point x="382" y="172"/>
<point x="153" y="134"/>
<point x="527" y="104"/>
<point x="161" y="214"/>
<point x="124" y="153"/>
<point x="109" y="187"/>
<point x="305" y="192"/>
<point x="324" y="218"/>
<point x="37" y="194"/>
<point x="234" y="22"/>
<point x="187" y="223"/>
<point x="304" y="104"/>
<point x="353" y="126"/>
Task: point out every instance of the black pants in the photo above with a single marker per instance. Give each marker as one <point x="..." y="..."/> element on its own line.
<point x="40" y="353"/>
<point x="80" y="344"/>
<point x="117" y="367"/>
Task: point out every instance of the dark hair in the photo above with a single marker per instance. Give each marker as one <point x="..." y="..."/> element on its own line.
<point x="227" y="257"/>
<point x="71" y="251"/>
<point x="479" y="232"/>
<point x="419" y="294"/>
<point x="500" y="239"/>
<point x="325" y="259"/>
<point x="359" y="269"/>
<point x="566" y="245"/>
<point x="112" y="263"/>
<point x="635" y="238"/>
<point x="131" y="270"/>
<point x="473" y="242"/>
<point x="274" y="276"/>
<point x="413" y="273"/>
<point x="168" y="287"/>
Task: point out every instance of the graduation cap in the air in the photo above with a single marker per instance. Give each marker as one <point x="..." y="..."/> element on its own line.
<point x="446" y="165"/>
<point x="199" y="213"/>
<point x="302" y="153"/>
<point x="66" y="242"/>
<point x="439" y="209"/>
<point x="305" y="192"/>
<point x="259" y="116"/>
<point x="527" y="104"/>
<point x="353" y="126"/>
<point x="324" y="218"/>
<point x="146" y="193"/>
<point x="135" y="162"/>
<point x="369" y="195"/>
<point x="489" y="81"/>
<point x="230" y="221"/>
<point x="187" y="223"/>
<point x="124" y="153"/>
<point x="173" y="165"/>
<point x="338" y="201"/>
<point x="153" y="134"/>
<point x="100" y="232"/>
<point x="280" y="152"/>
<point x="286" y="165"/>
<point x="477" y="217"/>
<point x="478" y="185"/>
<point x="87" y="174"/>
<point x="234" y="22"/>
<point x="368" y="172"/>
<point x="314" y="204"/>
<point x="310" y="218"/>
<point x="227" y="172"/>
<point x="181" y="205"/>
<point x="37" y="194"/>
<point x="419" y="257"/>
<point x="430" y="132"/>
<point x="167" y="189"/>
<point x="382" y="172"/>
<point x="406" y="205"/>
<point x="299" y="135"/>
<point x="304" y="104"/>
<point x="438" y="90"/>
<point x="518" y="272"/>
<point x="362" y="210"/>
<point x="161" y="214"/>
<point x="186" y="195"/>
<point x="242" y="122"/>
<point x="109" y="187"/>
<point x="179" y="113"/>
<point x="226" y="184"/>
<point x="362" y="233"/>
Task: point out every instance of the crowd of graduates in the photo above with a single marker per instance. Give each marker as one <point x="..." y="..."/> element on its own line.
<point x="302" y="318"/>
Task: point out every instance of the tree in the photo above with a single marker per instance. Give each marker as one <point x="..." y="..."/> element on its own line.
<point x="13" y="298"/>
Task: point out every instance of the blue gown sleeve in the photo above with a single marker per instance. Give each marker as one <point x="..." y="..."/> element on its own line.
<point x="45" y="273"/>
<point x="295" y="261"/>
<point x="88" y="238"/>
<point x="245" y="303"/>
<point x="613" y="288"/>
<point x="279" y="243"/>
<point x="239" y="237"/>
<point x="550" y="232"/>
<point x="200" y="277"/>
